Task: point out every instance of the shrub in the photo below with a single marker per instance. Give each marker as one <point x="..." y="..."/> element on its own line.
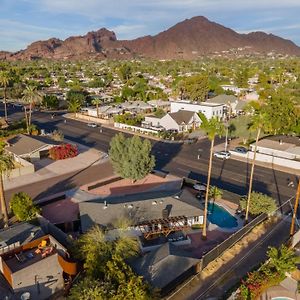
<point x="63" y="152"/>
<point x="22" y="206"/>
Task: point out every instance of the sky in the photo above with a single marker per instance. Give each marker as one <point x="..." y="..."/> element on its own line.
<point x="25" y="21"/>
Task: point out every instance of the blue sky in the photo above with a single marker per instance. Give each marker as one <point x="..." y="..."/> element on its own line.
<point x="25" y="21"/>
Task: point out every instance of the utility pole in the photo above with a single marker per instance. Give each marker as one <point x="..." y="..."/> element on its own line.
<point x="292" y="230"/>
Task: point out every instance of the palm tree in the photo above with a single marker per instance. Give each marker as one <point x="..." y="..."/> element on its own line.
<point x="212" y="127"/>
<point x="74" y="105"/>
<point x="258" y="123"/>
<point x="31" y="96"/>
<point x="6" y="165"/>
<point x="97" y="102"/>
<point x="4" y="81"/>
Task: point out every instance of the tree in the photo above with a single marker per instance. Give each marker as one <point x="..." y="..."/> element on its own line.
<point x="50" y="101"/>
<point x="259" y="204"/>
<point x="22" y="206"/>
<point x="6" y="165"/>
<point x="212" y="127"/>
<point x="241" y="78"/>
<point x="97" y="102"/>
<point x="259" y="123"/>
<point x="31" y="96"/>
<point x="215" y="192"/>
<point x="90" y="289"/>
<point x="4" y="82"/>
<point x="282" y="260"/>
<point x="195" y="87"/>
<point x="131" y="157"/>
<point x="75" y="100"/>
<point x="125" y="72"/>
<point x="57" y="135"/>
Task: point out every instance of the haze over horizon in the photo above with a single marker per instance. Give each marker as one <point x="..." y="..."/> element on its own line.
<point x="26" y="21"/>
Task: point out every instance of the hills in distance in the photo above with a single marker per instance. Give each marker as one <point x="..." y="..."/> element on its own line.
<point x="188" y="39"/>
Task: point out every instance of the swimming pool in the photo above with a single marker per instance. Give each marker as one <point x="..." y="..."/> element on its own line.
<point x="220" y="216"/>
<point x="282" y="298"/>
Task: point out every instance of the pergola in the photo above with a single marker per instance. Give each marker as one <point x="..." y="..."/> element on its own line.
<point x="162" y="226"/>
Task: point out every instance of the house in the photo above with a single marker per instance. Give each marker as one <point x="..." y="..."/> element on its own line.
<point x="30" y="147"/>
<point x="180" y="121"/>
<point x="141" y="209"/>
<point x="38" y="264"/>
<point x="233" y="88"/>
<point x="279" y="146"/>
<point x="166" y="267"/>
<point x="208" y="109"/>
<point x="165" y="105"/>
<point x="231" y="103"/>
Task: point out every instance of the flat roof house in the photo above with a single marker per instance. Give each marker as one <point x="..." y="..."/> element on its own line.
<point x="208" y="109"/>
<point x="37" y="266"/>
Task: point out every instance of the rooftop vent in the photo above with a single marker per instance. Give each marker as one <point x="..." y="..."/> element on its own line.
<point x="154" y="202"/>
<point x="105" y="205"/>
<point x="130" y="206"/>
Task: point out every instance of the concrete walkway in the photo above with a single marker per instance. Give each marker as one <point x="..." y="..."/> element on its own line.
<point x="47" y="168"/>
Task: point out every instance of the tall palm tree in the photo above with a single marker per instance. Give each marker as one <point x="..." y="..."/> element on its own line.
<point x="4" y="81"/>
<point x="259" y="123"/>
<point x="6" y="165"/>
<point x="97" y="102"/>
<point x="212" y="127"/>
<point x="31" y="96"/>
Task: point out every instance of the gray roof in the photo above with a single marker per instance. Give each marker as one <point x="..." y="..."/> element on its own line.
<point x="182" y="116"/>
<point x="21" y="232"/>
<point x="138" y="207"/>
<point x="163" y="265"/>
<point x="223" y="99"/>
<point x="25" y="144"/>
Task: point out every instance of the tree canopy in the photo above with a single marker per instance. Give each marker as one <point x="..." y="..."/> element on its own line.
<point x="259" y="204"/>
<point x="131" y="157"/>
<point x="195" y="87"/>
<point x="22" y="206"/>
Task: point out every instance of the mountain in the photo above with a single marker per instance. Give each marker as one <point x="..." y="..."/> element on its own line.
<point x="188" y="39"/>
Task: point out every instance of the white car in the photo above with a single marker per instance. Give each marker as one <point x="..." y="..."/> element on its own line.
<point x="94" y="125"/>
<point x="222" y="154"/>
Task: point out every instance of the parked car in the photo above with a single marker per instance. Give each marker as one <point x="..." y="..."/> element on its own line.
<point x="241" y="150"/>
<point x="94" y="125"/>
<point x="222" y="154"/>
<point x="199" y="187"/>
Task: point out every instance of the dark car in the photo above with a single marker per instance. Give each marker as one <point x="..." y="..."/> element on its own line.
<point x="241" y="150"/>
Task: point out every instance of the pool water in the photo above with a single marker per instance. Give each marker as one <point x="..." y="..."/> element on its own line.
<point x="220" y="216"/>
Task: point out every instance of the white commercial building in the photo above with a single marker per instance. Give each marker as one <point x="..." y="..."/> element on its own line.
<point x="208" y="109"/>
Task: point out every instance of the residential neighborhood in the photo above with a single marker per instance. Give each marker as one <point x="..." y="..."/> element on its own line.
<point x="141" y="178"/>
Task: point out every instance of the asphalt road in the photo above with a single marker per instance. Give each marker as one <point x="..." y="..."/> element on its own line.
<point x="175" y="158"/>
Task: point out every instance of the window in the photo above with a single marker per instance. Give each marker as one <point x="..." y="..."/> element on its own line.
<point x="196" y="219"/>
<point x="213" y="113"/>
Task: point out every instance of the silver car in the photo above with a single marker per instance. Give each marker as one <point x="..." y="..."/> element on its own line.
<point x="222" y="154"/>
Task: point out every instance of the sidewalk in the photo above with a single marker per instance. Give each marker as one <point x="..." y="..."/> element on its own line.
<point x="47" y="168"/>
<point x="236" y="143"/>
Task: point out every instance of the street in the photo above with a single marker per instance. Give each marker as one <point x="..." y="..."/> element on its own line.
<point x="176" y="158"/>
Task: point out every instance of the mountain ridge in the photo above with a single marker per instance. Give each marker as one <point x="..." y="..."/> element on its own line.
<point x="187" y="39"/>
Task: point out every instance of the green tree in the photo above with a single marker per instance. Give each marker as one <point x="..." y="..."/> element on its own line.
<point x="75" y="100"/>
<point x="97" y="102"/>
<point x="282" y="260"/>
<point x="50" y="101"/>
<point x="90" y="289"/>
<point x="131" y="157"/>
<point x="195" y="87"/>
<point x="259" y="123"/>
<point x="6" y="165"/>
<point x="259" y="204"/>
<point x="241" y="78"/>
<point x="212" y="127"/>
<point x="215" y="192"/>
<point x="22" y="206"/>
<point x="31" y="96"/>
<point x="125" y="72"/>
<point x="4" y="82"/>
